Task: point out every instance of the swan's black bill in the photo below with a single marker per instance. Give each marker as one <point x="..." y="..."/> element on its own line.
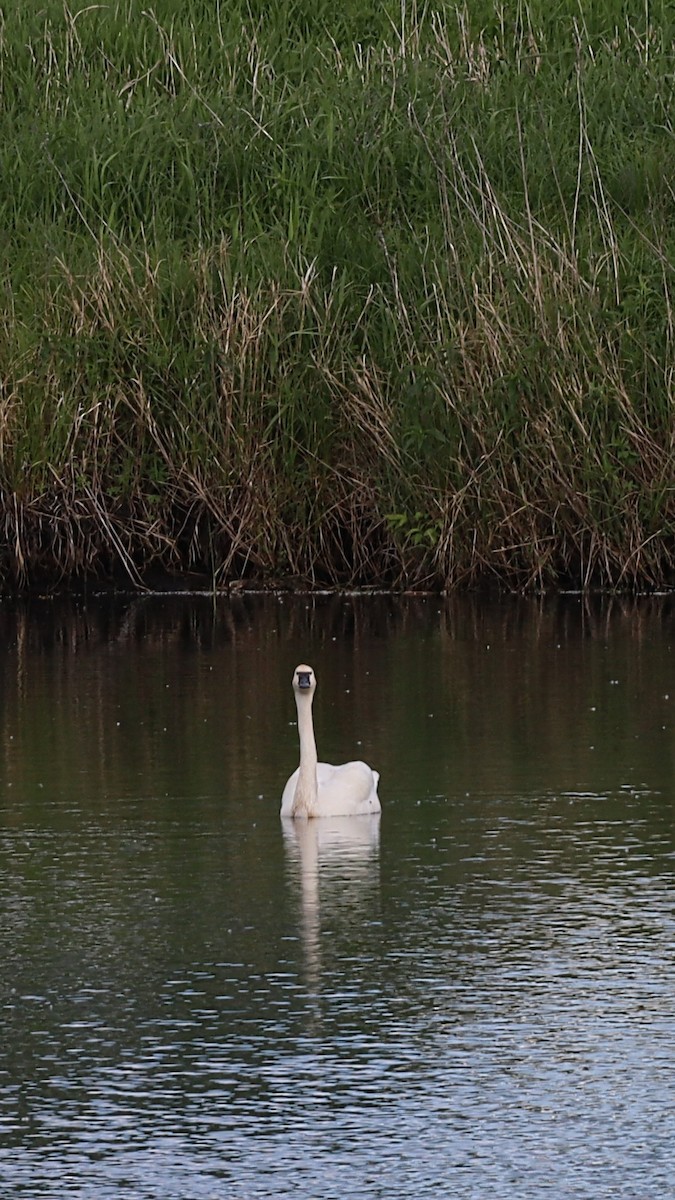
<point x="304" y="679"/>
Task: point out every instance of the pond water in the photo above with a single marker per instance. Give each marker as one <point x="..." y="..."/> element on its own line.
<point x="471" y="996"/>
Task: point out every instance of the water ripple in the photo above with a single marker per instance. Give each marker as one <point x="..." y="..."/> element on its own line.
<point x="479" y="1005"/>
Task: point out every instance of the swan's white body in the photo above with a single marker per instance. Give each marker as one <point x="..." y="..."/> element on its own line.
<point x="317" y="789"/>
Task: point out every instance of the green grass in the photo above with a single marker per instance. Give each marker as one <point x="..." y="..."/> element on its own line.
<point x="375" y="295"/>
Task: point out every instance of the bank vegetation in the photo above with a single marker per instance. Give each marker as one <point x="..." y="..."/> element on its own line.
<point x="340" y="295"/>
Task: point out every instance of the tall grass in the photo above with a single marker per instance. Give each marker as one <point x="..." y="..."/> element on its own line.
<point x="382" y="295"/>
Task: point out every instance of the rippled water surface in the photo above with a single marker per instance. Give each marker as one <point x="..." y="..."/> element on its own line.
<point x="473" y="996"/>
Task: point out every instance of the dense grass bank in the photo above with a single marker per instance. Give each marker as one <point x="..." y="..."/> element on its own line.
<point x="375" y="296"/>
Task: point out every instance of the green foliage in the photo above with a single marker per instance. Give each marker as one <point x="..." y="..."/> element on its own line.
<point x="348" y="292"/>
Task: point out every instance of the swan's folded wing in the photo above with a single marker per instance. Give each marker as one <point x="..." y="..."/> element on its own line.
<point x="348" y="789"/>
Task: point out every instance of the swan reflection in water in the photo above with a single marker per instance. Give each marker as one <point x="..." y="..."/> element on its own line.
<point x="336" y="862"/>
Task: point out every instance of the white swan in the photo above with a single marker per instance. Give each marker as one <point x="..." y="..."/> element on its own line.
<point x="317" y="789"/>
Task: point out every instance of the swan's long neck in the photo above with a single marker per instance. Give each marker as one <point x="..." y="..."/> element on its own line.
<point x="304" y="801"/>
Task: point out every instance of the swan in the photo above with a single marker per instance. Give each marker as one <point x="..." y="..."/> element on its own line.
<point x="317" y="789"/>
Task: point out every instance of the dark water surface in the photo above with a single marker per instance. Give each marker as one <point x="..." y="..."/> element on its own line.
<point x="471" y="997"/>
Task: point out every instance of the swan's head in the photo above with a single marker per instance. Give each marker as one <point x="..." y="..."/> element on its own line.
<point x="304" y="679"/>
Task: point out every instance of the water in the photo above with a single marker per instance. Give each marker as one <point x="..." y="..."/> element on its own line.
<point x="470" y="997"/>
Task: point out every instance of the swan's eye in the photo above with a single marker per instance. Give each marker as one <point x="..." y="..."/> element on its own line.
<point x="304" y="679"/>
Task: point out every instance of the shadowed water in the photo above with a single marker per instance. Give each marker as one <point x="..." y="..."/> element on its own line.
<point x="469" y="996"/>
